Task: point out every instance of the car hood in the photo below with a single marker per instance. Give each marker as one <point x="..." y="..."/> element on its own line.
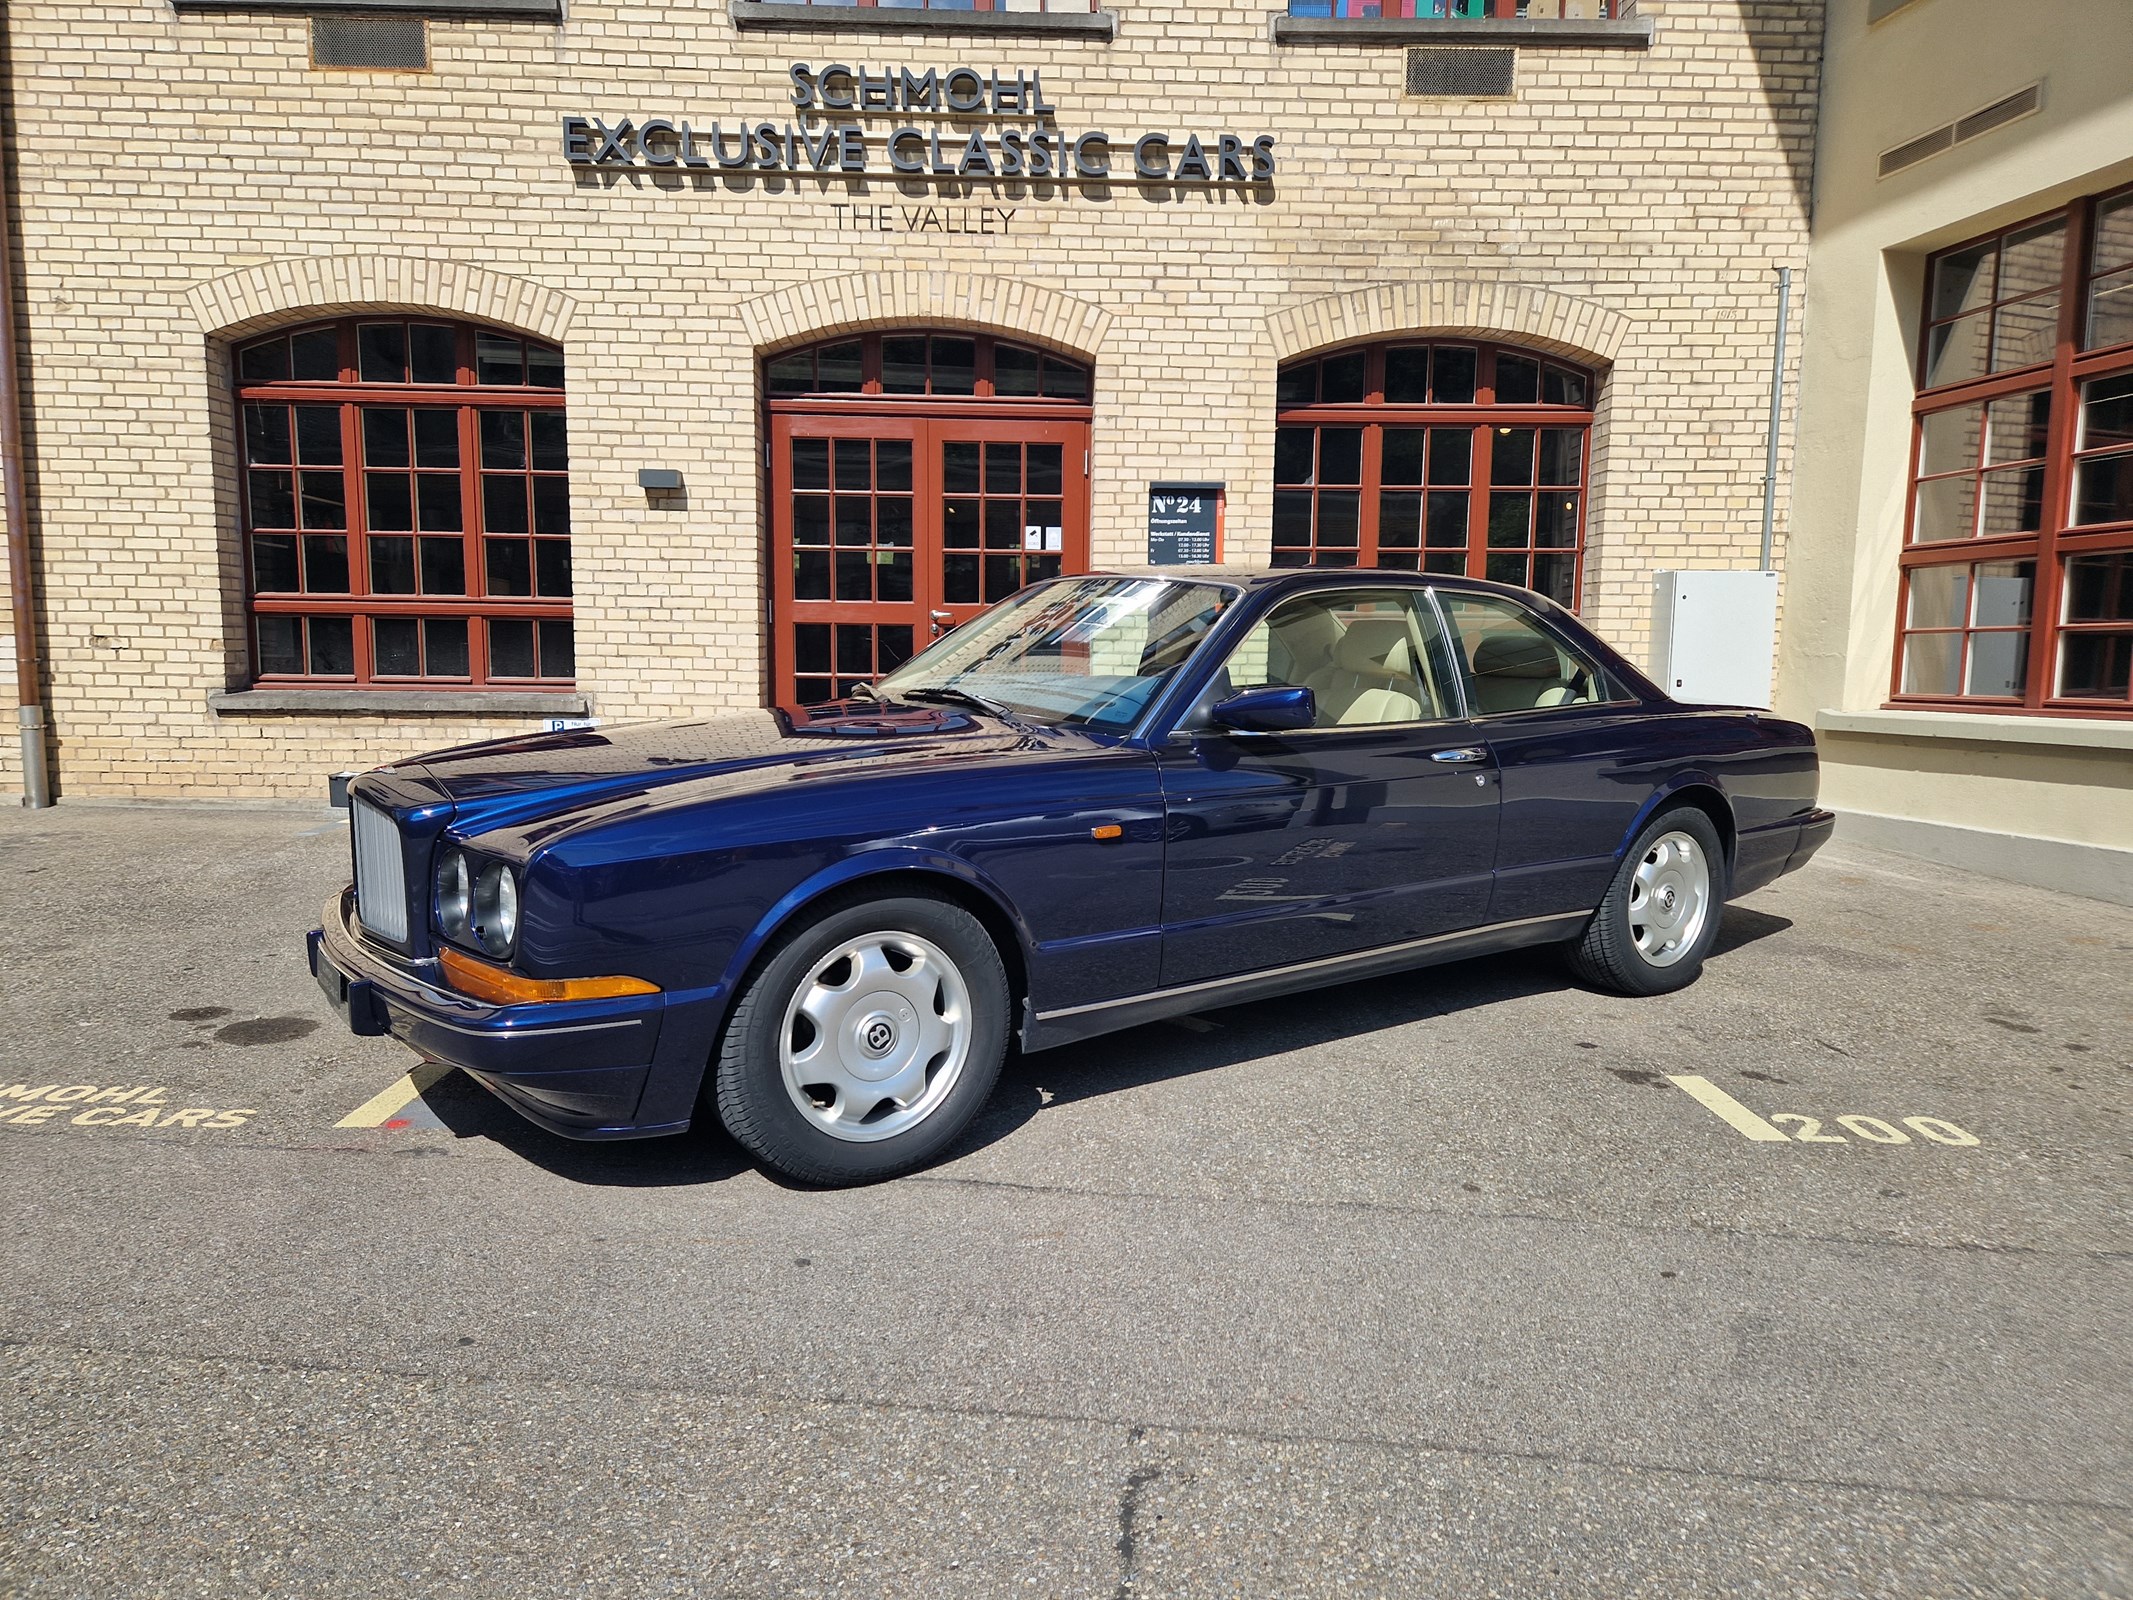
<point x="514" y="781"/>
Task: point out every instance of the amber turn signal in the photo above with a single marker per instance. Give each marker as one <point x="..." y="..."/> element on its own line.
<point x="1108" y="830"/>
<point x="501" y="988"/>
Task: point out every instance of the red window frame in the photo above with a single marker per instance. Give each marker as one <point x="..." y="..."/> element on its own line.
<point x="1550" y="553"/>
<point x="1979" y="453"/>
<point x="459" y="635"/>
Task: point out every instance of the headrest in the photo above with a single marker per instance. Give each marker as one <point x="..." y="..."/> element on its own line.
<point x="1374" y="644"/>
<point x="1516" y="655"/>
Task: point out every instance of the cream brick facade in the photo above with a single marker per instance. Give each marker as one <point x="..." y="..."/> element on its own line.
<point x="188" y="179"/>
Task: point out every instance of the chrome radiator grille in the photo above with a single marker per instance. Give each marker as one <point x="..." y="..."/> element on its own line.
<point x="381" y="876"/>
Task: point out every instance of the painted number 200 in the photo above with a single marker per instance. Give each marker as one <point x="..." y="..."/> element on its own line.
<point x="1876" y="1131"/>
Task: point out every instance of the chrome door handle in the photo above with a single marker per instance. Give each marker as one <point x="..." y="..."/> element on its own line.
<point x="1469" y="753"/>
<point x="941" y="616"/>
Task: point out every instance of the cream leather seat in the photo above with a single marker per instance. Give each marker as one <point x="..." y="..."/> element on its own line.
<point x="1371" y="678"/>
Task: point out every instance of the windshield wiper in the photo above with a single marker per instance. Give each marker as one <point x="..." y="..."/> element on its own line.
<point x="959" y="697"/>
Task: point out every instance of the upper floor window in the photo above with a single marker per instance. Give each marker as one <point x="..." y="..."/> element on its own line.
<point x="1437" y="456"/>
<point x="2018" y="551"/>
<point x="406" y="504"/>
<point x="1465" y="10"/>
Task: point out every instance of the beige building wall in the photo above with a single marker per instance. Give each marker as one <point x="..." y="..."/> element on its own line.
<point x="2045" y="799"/>
<point x="187" y="179"/>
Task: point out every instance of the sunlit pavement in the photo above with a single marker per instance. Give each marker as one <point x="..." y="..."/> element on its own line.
<point x="1437" y="1285"/>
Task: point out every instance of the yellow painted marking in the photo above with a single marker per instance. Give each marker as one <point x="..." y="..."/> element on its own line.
<point x="380" y="1108"/>
<point x="1712" y="1098"/>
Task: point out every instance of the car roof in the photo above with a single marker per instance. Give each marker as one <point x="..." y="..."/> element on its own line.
<point x="1257" y="577"/>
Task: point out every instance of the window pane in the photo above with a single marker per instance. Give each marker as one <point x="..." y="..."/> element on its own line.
<point x="1511" y="456"/>
<point x="444" y="639"/>
<point x="1555" y="521"/>
<point x="2103" y="490"/>
<point x="1003" y="576"/>
<point x="1063" y="380"/>
<point x="510" y="649"/>
<point x="855" y="464"/>
<point x="274" y="563"/>
<point x="1556" y="577"/>
<point x="1292" y="454"/>
<point x="444" y="566"/>
<point x="273" y="497"/>
<point x="1340" y="455"/>
<point x="433" y="353"/>
<point x="2110" y="310"/>
<point x="325" y="500"/>
<point x="810" y="464"/>
<point x="1402" y="463"/>
<point x="855" y="575"/>
<point x="396" y="647"/>
<point x="838" y="370"/>
<point x="959" y="467"/>
<point x="1562" y="387"/>
<point x="2095" y="666"/>
<point x="326" y="565"/>
<point x="1045" y="467"/>
<point x="551" y="568"/>
<point x="387" y="498"/>
<point x="332" y="646"/>
<point x="551" y="505"/>
<point x="855" y="519"/>
<point x="1014" y="371"/>
<point x="892" y="521"/>
<point x="1932" y="663"/>
<point x="903" y="364"/>
<point x="811" y="575"/>
<point x="2113" y="243"/>
<point x="551" y="449"/>
<point x="384" y="437"/>
<point x="503" y="439"/>
<point x="281" y="645"/>
<point x="955" y="366"/>
<point x="1999" y="664"/>
<point x="810" y="519"/>
<point x="2000" y="592"/>
<point x="544" y="366"/>
<point x="959" y="524"/>
<point x="1454" y="375"/>
<point x="1003" y="469"/>
<point x="266" y="435"/>
<point x="1956" y="351"/>
<point x="1399" y="520"/>
<point x="437" y="500"/>
<point x="510" y="567"/>
<point x="2014" y="501"/>
<point x="959" y="580"/>
<point x="1948" y="441"/>
<point x="811" y="647"/>
<point x="436" y="438"/>
<point x="315" y="357"/>
<point x="1340" y="379"/>
<point x="503" y="503"/>
<point x="2099" y="588"/>
<point x="1940" y="597"/>
<point x="1517" y="380"/>
<point x="1947" y="509"/>
<point x="381" y="352"/>
<point x="498" y="359"/>
<point x="392" y="566"/>
<point x="1292" y="519"/>
<point x="791" y="375"/>
<point x="1339" y="518"/>
<point x="1451" y="456"/>
<point x="1447" y="520"/>
<point x="2032" y="260"/>
<point x="1407" y="375"/>
<point x="2106" y="413"/>
<point x="1562" y="452"/>
<point x="559" y="649"/>
<point x="1962" y="279"/>
<point x="1510" y="515"/>
<point x="2024" y="334"/>
<point x="1296" y="386"/>
<point x="2016" y="427"/>
<point x="265" y="362"/>
<point x="318" y="436"/>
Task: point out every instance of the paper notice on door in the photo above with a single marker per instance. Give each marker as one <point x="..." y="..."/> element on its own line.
<point x="1033" y="537"/>
<point x="1054" y="539"/>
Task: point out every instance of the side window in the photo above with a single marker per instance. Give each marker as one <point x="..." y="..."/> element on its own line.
<point x="1512" y="663"/>
<point x="1367" y="656"/>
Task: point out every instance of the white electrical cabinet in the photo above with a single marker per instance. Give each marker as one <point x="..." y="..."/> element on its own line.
<point x="1714" y="636"/>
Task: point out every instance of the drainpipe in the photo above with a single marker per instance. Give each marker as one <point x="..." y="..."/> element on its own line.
<point x="1777" y="406"/>
<point x="36" y="775"/>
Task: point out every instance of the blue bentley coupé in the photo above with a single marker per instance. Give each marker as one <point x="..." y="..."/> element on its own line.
<point x="1109" y="799"/>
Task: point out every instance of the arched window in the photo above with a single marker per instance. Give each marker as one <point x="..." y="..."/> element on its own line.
<point x="1435" y="456"/>
<point x="406" y="506"/>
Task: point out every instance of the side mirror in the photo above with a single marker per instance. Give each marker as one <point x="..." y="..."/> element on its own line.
<point x="1272" y="708"/>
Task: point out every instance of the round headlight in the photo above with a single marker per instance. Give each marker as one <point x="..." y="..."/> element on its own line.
<point x="496" y="909"/>
<point x="455" y="895"/>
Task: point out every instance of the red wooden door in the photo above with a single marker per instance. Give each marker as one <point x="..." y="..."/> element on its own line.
<point x="888" y="529"/>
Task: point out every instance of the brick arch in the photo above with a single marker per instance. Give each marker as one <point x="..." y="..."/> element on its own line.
<point x="816" y="310"/>
<point x="1543" y="319"/>
<point x="301" y="287"/>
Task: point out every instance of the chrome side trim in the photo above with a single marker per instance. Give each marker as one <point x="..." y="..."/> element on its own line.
<point x="1325" y="964"/>
<point x="543" y="1031"/>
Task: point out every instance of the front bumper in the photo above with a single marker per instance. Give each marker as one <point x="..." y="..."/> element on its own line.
<point x="578" y="1068"/>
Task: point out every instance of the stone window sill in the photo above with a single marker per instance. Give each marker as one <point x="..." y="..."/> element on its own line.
<point x="508" y="10"/>
<point x="394" y="703"/>
<point x="1629" y="33"/>
<point x="788" y="17"/>
<point x="2074" y="733"/>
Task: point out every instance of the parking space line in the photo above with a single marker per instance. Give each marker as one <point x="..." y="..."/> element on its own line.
<point x="380" y="1108"/>
<point x="1712" y="1098"/>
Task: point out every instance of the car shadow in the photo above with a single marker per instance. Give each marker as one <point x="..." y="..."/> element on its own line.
<point x="1158" y="1052"/>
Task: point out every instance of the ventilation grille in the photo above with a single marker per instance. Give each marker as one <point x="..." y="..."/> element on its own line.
<point x="1949" y="134"/>
<point x="1467" y="74"/>
<point x="389" y="44"/>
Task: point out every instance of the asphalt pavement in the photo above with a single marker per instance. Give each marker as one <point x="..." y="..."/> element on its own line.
<point x="1813" y="1280"/>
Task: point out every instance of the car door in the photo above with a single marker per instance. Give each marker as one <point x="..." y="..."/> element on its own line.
<point x="1375" y="826"/>
<point x="1571" y="751"/>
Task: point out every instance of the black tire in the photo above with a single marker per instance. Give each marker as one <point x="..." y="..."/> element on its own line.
<point x="1607" y="955"/>
<point x="753" y="1099"/>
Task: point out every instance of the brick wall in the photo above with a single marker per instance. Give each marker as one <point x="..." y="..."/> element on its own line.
<point x="184" y="179"/>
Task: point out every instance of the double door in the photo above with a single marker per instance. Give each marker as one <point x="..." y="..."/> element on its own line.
<point x="888" y="530"/>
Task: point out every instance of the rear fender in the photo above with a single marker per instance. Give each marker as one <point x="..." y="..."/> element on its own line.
<point x="1670" y="794"/>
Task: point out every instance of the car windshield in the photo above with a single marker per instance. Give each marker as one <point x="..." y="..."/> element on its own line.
<point x="1088" y="651"/>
